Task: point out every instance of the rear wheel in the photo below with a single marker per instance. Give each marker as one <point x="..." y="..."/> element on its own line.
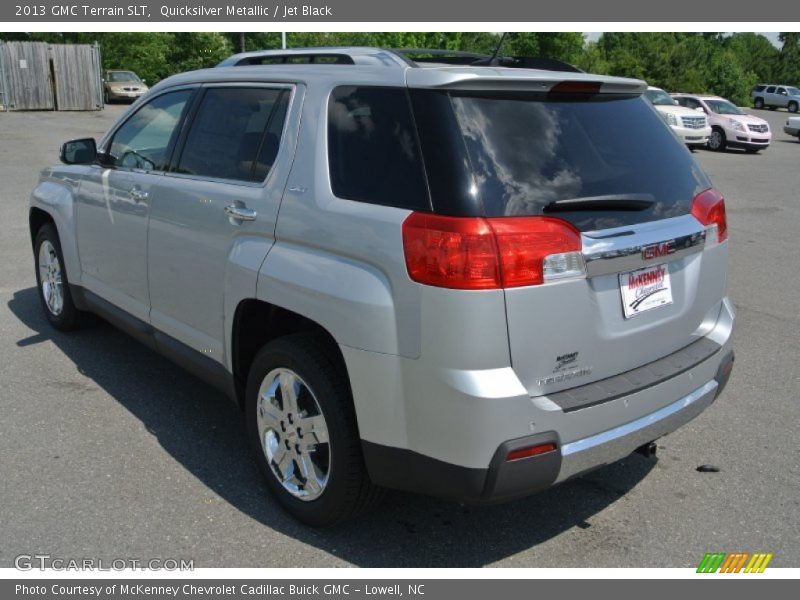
<point x="717" y="140"/>
<point x="759" y="103"/>
<point x="792" y="107"/>
<point x="302" y="427"/>
<point x="51" y="279"/>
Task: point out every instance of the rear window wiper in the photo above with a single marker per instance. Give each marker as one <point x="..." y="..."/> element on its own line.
<point x="627" y="202"/>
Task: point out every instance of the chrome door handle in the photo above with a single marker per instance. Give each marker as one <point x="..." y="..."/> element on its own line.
<point x="240" y="213"/>
<point x="138" y="195"/>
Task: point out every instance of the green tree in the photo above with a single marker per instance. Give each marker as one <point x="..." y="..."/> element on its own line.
<point x="788" y="64"/>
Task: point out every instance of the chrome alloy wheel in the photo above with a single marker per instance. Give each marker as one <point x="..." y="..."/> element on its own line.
<point x="50" y="278"/>
<point x="293" y="434"/>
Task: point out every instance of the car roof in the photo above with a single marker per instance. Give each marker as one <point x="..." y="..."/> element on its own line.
<point x="379" y="66"/>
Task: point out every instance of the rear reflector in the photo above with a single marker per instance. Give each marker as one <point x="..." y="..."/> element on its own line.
<point x="530" y="451"/>
<point x="708" y="207"/>
<point x="474" y="253"/>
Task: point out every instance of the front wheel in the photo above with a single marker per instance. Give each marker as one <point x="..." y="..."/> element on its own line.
<point x="302" y="427"/>
<point x="792" y="107"/>
<point x="717" y="141"/>
<point x="51" y="279"/>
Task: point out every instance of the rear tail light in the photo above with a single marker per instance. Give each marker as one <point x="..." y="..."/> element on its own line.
<point x="576" y="87"/>
<point x="474" y="253"/>
<point x="530" y="451"/>
<point x="709" y="208"/>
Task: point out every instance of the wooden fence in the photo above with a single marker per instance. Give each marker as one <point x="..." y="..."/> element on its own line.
<point x="41" y="76"/>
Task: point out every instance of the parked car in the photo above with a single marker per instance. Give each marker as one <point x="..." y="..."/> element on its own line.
<point x="792" y="126"/>
<point x="776" y="96"/>
<point x="730" y="125"/>
<point x="462" y="281"/>
<point x="122" y="86"/>
<point x="690" y="126"/>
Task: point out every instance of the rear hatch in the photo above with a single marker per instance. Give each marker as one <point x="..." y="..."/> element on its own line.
<point x="607" y="164"/>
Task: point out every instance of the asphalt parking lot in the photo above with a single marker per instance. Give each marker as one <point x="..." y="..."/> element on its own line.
<point x="109" y="451"/>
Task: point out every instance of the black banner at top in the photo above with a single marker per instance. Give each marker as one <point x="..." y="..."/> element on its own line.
<point x="336" y="11"/>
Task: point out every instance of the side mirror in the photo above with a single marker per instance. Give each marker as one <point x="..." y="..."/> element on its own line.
<point x="144" y="80"/>
<point x="78" y="152"/>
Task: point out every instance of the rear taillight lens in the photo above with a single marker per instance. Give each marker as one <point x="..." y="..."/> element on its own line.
<point x="474" y="253"/>
<point x="709" y="208"/>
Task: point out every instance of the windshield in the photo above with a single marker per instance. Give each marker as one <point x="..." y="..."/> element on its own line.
<point x="120" y="76"/>
<point x="660" y="98"/>
<point x="793" y="91"/>
<point x="723" y="107"/>
<point x="527" y="152"/>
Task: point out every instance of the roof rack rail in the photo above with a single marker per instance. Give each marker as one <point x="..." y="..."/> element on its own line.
<point x="436" y="55"/>
<point x="398" y="57"/>
<point x="475" y="59"/>
<point x="354" y="55"/>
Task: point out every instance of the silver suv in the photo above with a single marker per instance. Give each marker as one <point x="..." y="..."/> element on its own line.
<point x="469" y="281"/>
<point x="776" y="96"/>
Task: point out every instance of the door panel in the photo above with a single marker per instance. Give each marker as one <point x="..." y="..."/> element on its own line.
<point x="231" y="146"/>
<point x="114" y="204"/>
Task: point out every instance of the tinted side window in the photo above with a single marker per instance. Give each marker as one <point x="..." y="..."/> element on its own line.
<point x="144" y="140"/>
<point x="373" y="150"/>
<point x="235" y="133"/>
<point x="771" y="90"/>
<point x="692" y="103"/>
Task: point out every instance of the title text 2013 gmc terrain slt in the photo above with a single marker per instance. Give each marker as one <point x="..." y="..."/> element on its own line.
<point x="470" y="281"/>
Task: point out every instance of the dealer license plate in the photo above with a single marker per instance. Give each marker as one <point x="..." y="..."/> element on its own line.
<point x="645" y="289"/>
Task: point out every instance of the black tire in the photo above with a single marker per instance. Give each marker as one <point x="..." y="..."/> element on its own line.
<point x="759" y="103"/>
<point x="349" y="491"/>
<point x="713" y="144"/>
<point x="792" y="107"/>
<point x="69" y="317"/>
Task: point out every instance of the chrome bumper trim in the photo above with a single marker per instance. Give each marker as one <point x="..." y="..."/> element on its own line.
<point x="614" y="444"/>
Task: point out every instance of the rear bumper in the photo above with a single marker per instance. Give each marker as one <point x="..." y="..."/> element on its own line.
<point x="449" y="435"/>
<point x="505" y="480"/>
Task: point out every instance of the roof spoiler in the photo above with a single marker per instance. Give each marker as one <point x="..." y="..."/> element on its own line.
<point x="523" y="81"/>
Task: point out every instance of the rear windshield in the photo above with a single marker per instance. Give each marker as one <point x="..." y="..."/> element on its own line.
<point x="600" y="161"/>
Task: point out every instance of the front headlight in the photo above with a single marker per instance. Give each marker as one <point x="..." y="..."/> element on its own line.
<point x="736" y="125"/>
<point x="671" y="119"/>
<point x="116" y="88"/>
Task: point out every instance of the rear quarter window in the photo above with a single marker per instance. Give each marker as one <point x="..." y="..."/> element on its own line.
<point x="373" y="150"/>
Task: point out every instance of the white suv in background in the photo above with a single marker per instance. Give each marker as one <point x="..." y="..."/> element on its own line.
<point x="730" y="125"/>
<point x="691" y="126"/>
